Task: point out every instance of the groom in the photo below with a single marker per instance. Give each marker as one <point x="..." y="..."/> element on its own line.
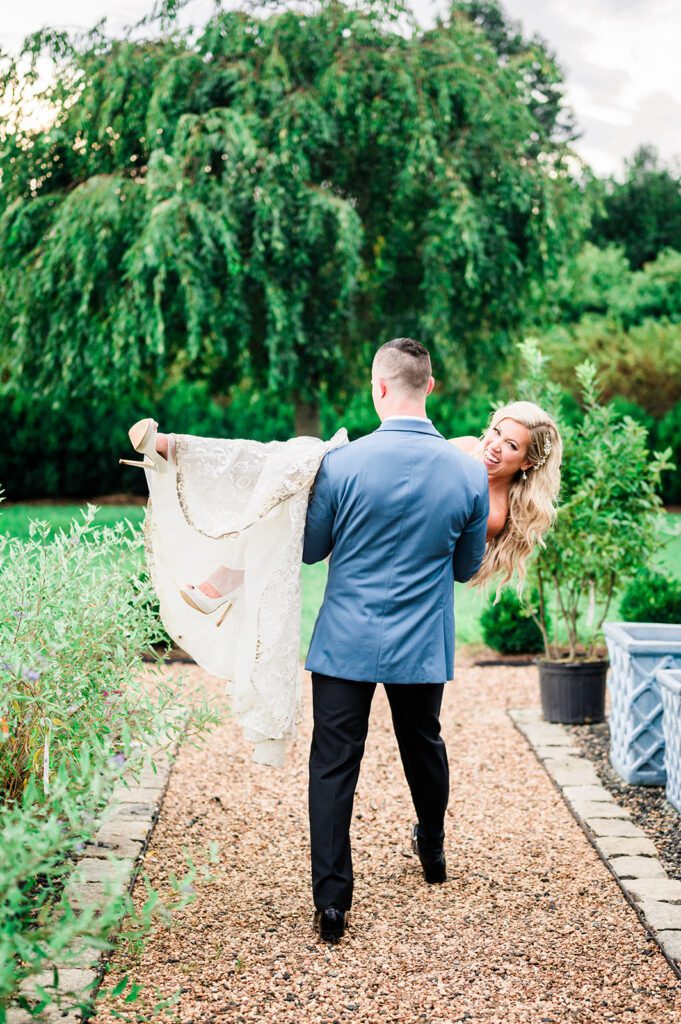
<point x="403" y="514"/>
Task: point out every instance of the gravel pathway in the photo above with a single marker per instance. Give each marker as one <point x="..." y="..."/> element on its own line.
<point x="530" y="928"/>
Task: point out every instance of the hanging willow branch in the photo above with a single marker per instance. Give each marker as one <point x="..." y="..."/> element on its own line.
<point x="267" y="197"/>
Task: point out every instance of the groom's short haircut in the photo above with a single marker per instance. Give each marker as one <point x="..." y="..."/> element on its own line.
<point x="406" y="362"/>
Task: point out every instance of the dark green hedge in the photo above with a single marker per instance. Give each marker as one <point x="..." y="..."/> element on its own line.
<point x="51" y="453"/>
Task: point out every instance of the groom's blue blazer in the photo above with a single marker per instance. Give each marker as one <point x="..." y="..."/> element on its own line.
<point x="403" y="514"/>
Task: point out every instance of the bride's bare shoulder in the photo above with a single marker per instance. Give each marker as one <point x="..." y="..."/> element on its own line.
<point x="467" y="444"/>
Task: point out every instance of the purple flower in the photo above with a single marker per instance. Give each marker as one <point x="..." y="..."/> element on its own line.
<point x="7" y="667"/>
<point x="31" y="674"/>
<point x="118" y="760"/>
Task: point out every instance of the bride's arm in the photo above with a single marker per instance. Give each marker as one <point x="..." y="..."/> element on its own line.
<point x="162" y="445"/>
<point x="165" y="446"/>
<point x="471" y="446"/>
<point x="467" y="444"/>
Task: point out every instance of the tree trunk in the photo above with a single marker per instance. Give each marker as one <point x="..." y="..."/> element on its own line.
<point x="308" y="418"/>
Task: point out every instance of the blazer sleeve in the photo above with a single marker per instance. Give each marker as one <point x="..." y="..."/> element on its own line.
<point x="321" y="514"/>
<point x="470" y="547"/>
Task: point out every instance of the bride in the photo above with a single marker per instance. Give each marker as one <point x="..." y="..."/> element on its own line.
<point x="522" y="452"/>
<point x="232" y="513"/>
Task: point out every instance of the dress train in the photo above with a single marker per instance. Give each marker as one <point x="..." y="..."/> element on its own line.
<point x="240" y="504"/>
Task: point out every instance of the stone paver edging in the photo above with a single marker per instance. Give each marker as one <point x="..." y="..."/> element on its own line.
<point x="624" y="847"/>
<point x="120" y="843"/>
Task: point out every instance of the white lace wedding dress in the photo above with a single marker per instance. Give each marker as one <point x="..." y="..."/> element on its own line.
<point x="240" y="504"/>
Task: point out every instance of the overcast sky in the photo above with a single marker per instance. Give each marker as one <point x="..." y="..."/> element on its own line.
<point x="620" y="58"/>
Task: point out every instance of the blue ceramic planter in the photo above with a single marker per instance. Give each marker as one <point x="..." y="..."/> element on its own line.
<point x="637" y="650"/>
<point x="669" y="681"/>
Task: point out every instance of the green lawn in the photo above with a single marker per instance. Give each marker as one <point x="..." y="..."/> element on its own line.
<point x="670" y="558"/>
<point x="14" y="520"/>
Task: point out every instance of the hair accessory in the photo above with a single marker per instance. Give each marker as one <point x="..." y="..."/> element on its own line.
<point x="547" y="451"/>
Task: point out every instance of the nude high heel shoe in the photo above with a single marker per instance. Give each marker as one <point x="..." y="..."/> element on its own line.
<point x="143" y="439"/>
<point x="196" y="598"/>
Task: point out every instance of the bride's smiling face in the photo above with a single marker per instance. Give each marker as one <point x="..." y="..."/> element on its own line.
<point x="505" y="447"/>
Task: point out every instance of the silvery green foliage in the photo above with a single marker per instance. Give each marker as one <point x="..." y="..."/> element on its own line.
<point x="76" y="712"/>
<point x="610" y="519"/>
<point x="74" y="620"/>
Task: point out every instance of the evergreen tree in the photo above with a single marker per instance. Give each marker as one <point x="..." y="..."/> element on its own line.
<point x="643" y="212"/>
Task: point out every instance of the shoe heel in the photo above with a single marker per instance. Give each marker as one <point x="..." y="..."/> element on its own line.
<point x="129" y="462"/>
<point x="225" y="613"/>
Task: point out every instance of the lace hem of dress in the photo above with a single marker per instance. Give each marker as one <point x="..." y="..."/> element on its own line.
<point x="247" y="466"/>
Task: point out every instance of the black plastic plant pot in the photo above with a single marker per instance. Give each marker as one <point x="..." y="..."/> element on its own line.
<point x="572" y="692"/>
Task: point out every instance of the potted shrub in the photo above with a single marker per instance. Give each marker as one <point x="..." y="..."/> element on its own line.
<point x="610" y="522"/>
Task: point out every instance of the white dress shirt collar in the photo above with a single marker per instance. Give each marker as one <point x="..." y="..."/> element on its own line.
<point x="419" y="419"/>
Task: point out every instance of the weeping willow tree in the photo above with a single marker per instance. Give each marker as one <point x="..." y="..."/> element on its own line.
<point x="268" y="197"/>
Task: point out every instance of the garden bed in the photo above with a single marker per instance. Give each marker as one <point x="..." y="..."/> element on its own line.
<point x="647" y="805"/>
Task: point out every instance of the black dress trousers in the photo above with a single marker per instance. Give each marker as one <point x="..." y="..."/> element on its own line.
<point x="341" y="720"/>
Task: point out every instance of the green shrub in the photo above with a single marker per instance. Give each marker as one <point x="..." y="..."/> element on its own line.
<point x="590" y="283"/>
<point x="74" y="452"/>
<point x="189" y="407"/>
<point x="655" y="290"/>
<point x="641" y="364"/>
<point x="652" y="597"/>
<point x="600" y="281"/>
<point x="625" y="407"/>
<point x="508" y="626"/>
<point x="76" y="712"/>
<point x="453" y="417"/>
<point x="76" y="616"/>
<point x="667" y="434"/>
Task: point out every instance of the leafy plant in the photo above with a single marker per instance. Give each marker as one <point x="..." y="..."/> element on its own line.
<point x="668" y="433"/>
<point x="75" y="616"/>
<point x="652" y="597"/>
<point x="508" y="625"/>
<point x="76" y="712"/>
<point x="609" y="521"/>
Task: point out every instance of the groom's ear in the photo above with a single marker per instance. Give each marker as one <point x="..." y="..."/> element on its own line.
<point x="431" y="385"/>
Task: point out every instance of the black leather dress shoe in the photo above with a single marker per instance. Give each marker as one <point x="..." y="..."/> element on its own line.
<point x="330" y="924"/>
<point x="434" y="868"/>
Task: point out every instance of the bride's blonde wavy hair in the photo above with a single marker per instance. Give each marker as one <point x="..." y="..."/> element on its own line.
<point x="531" y="501"/>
